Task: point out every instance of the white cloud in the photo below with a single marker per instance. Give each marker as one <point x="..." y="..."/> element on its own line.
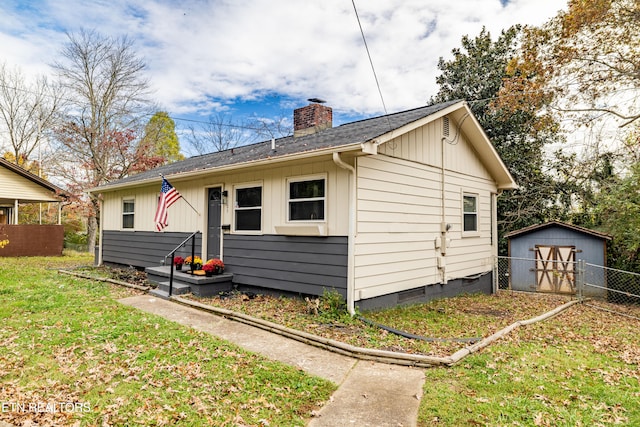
<point x="201" y="54"/>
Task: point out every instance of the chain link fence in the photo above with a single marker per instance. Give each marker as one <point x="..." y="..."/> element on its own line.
<point x="602" y="287"/>
<point x="612" y="290"/>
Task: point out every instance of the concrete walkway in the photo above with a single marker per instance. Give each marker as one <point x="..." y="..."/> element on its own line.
<point x="369" y="393"/>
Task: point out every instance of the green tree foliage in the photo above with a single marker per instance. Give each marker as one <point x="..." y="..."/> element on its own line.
<point x="161" y="139"/>
<point x="514" y="120"/>
<point x="614" y="206"/>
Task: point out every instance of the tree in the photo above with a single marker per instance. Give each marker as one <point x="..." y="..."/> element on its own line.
<point x="161" y="139"/>
<point x="277" y="127"/>
<point x="27" y="111"/>
<point x="218" y="134"/>
<point x="618" y="208"/>
<point x="593" y="56"/>
<point x="513" y="120"/>
<point x="108" y="96"/>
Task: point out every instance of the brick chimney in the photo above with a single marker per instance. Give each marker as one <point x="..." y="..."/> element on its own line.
<point x="312" y="118"/>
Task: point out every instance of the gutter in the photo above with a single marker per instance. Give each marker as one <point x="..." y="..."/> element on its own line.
<point x="195" y="173"/>
<point x="352" y="232"/>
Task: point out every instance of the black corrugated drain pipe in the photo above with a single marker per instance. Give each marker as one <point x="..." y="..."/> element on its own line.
<point x="416" y="337"/>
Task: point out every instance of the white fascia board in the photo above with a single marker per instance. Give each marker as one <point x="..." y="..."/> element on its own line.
<point x="232" y="167"/>
<point x="418" y="123"/>
<point x="487" y="152"/>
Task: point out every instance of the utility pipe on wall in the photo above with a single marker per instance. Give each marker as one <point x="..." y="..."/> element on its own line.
<point x="352" y="232"/>
<point x="443" y="220"/>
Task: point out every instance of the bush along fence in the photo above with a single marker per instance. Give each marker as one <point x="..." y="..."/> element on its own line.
<point x="589" y="283"/>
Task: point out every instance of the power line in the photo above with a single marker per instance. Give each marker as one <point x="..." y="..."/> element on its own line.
<point x="373" y="69"/>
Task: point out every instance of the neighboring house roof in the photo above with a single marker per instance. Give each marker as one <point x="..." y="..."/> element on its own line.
<point x="344" y="137"/>
<point x="31" y="177"/>
<point x="537" y="227"/>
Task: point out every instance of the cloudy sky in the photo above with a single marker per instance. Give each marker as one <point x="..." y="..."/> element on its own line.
<point x="266" y="57"/>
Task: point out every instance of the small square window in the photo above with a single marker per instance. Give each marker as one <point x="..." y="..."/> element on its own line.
<point x="248" y="209"/>
<point x="307" y="200"/>
<point x="128" y="212"/>
<point x="470" y="212"/>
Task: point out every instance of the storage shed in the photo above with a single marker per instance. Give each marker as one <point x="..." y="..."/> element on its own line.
<point x="542" y="257"/>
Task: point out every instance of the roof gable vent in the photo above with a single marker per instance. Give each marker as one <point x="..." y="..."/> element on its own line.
<point x="445" y="127"/>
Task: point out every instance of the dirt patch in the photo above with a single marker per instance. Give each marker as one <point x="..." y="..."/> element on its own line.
<point x="130" y="275"/>
<point x="444" y="324"/>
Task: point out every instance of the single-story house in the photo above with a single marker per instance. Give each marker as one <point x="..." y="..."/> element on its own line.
<point x="387" y="210"/>
<point x="19" y="186"/>
<point x="543" y="257"/>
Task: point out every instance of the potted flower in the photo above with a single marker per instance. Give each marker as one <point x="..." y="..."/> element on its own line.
<point x="195" y="263"/>
<point x="178" y="261"/>
<point x="217" y="265"/>
<point x="209" y="269"/>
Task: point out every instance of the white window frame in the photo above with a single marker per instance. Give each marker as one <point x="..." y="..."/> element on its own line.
<point x="237" y="208"/>
<point x="311" y="199"/>
<point x="476" y="196"/>
<point x="133" y="214"/>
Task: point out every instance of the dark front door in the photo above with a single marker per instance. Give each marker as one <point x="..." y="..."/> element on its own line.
<point x="213" y="222"/>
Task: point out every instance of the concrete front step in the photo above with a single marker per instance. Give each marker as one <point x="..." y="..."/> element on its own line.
<point x="178" y="288"/>
<point x="183" y="282"/>
<point x="215" y="285"/>
<point x="159" y="293"/>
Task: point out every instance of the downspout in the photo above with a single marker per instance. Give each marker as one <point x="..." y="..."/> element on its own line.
<point x="444" y="227"/>
<point x="494" y="238"/>
<point x="352" y="232"/>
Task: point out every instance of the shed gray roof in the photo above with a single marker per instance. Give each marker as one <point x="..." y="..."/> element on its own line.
<point x="533" y="228"/>
<point x="343" y="135"/>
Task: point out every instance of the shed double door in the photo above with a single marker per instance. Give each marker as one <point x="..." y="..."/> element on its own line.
<point x="555" y="269"/>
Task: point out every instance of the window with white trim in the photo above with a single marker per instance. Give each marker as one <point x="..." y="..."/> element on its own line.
<point x="306" y="199"/>
<point x="248" y="208"/>
<point x="128" y="213"/>
<point x="470" y="212"/>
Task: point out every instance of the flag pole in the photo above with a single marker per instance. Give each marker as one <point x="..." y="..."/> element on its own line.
<point x="185" y="200"/>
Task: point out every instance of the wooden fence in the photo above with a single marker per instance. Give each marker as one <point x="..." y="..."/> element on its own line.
<point x="31" y="240"/>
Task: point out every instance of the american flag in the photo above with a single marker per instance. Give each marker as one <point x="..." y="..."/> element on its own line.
<point x="168" y="196"/>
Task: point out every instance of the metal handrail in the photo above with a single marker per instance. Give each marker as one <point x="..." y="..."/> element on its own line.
<point x="173" y="253"/>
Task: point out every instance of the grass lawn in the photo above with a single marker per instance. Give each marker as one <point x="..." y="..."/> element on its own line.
<point x="65" y="339"/>
<point x="71" y="355"/>
<point x="581" y="368"/>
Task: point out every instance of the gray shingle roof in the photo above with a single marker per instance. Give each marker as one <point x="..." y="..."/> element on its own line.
<point x="343" y="135"/>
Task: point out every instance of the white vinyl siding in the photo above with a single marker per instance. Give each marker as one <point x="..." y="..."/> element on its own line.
<point x="274" y="198"/>
<point x="399" y="216"/>
<point x="424" y="145"/>
<point x="14" y="186"/>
